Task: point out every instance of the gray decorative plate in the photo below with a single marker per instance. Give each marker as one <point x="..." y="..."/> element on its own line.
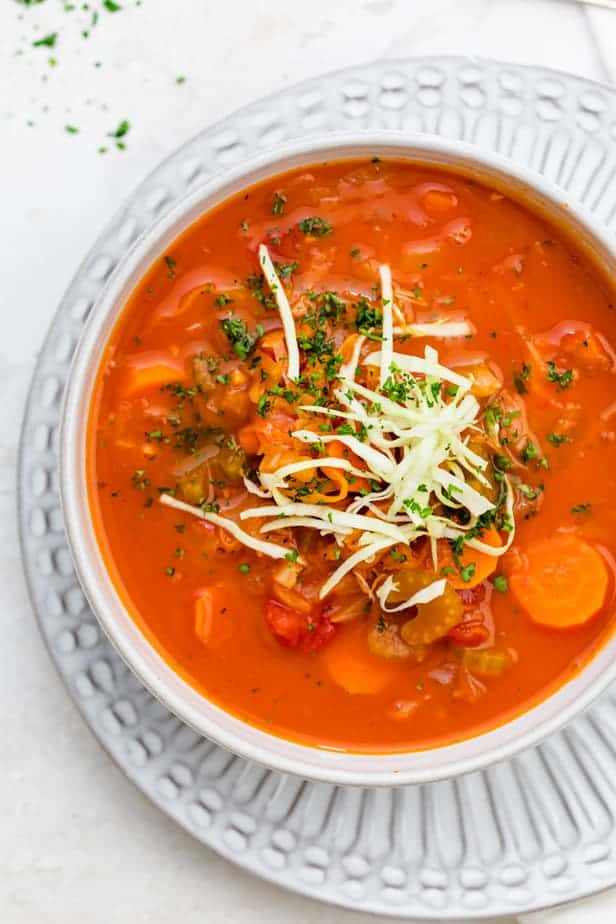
<point x="535" y="831"/>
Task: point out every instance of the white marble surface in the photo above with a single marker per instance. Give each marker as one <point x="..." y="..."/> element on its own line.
<point x="77" y="841"/>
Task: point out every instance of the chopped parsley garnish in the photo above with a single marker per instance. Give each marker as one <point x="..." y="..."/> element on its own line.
<point x="139" y="480"/>
<point x="412" y="505"/>
<point x="315" y="226"/>
<point x="238" y="335"/>
<point x="112" y="6"/>
<point x="467" y="572"/>
<point x="563" y="379"/>
<point x="71" y="129"/>
<point x="170" y="264"/>
<point x="121" y="130"/>
<point x="557" y="439"/>
<point x="48" y="41"/>
<point x="501" y="463"/>
<point x="501" y="584"/>
<point x="292" y="556"/>
<point x="521" y="378"/>
<point x="581" y="508"/>
<point x="244" y="568"/>
<point x="400" y="557"/>
<point x="285" y="270"/>
<point x="280" y="200"/>
<point x="257" y="285"/>
<point x="221" y="300"/>
<point x="528" y="491"/>
<point x="169" y="571"/>
<point x="368" y="317"/>
<point x="529" y="452"/>
<point x="263" y="405"/>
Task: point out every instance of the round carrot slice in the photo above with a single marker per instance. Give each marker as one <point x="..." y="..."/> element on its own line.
<point x="351" y="665"/>
<point x="561" y="582"/>
<point x="471" y="567"/>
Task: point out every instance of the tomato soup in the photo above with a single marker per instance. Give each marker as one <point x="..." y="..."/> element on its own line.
<point x="352" y="456"/>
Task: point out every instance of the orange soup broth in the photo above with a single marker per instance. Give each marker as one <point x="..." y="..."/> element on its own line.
<point x="463" y="246"/>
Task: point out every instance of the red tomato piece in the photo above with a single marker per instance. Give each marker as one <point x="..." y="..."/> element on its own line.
<point x="295" y="629"/>
<point x="470" y="634"/>
<point x="287" y="625"/>
<point x="320" y="635"/>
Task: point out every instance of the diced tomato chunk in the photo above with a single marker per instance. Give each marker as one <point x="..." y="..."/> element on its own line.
<point x="320" y="635"/>
<point x="470" y="633"/>
<point x="286" y="624"/>
<point x="296" y="629"/>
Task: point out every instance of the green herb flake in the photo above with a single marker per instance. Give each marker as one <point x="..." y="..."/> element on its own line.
<point x="562" y="378"/>
<point x="239" y="337"/>
<point x="501" y="584"/>
<point x="121" y="130"/>
<point x="528" y="491"/>
<point x="170" y="264"/>
<point x="315" y="226"/>
<point x="244" y="568"/>
<point x="48" y="41"/>
<point x="112" y="6"/>
<point x="581" y="508"/>
<point x="263" y="405"/>
<point x="521" y="378"/>
<point x="170" y="571"/>
<point x="467" y="572"/>
<point x="557" y="439"/>
<point x="285" y="270"/>
<point x="278" y="204"/>
<point x="71" y="129"/>
<point x="529" y="452"/>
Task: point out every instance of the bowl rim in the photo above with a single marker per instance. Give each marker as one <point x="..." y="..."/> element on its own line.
<point x="158" y="676"/>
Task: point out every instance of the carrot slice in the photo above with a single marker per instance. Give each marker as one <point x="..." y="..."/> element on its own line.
<point x="561" y="582"/>
<point x="352" y="667"/>
<point x="484" y="564"/>
<point x="153" y="375"/>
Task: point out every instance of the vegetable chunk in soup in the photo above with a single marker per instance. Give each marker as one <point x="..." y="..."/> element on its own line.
<point x="352" y="456"/>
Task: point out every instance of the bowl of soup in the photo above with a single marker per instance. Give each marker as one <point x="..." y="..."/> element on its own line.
<point x="338" y="459"/>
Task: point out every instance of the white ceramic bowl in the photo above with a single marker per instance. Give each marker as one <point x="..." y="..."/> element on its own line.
<point x="207" y="718"/>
